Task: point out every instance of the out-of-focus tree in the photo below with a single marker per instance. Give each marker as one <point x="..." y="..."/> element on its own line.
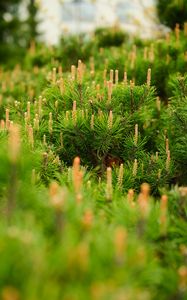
<point x="172" y="12"/>
<point x="9" y="21"/>
<point x="10" y="30"/>
<point x="32" y="20"/>
<point x="17" y="29"/>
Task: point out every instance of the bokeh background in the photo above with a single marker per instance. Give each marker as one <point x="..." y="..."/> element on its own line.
<point x="136" y="16"/>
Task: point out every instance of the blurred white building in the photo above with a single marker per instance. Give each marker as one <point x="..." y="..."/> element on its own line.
<point x="75" y="16"/>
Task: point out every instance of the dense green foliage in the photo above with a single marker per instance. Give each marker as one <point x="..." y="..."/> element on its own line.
<point x="172" y="12"/>
<point x="107" y="37"/>
<point x="32" y="21"/>
<point x="9" y="28"/>
<point x="16" y="34"/>
<point x="113" y="226"/>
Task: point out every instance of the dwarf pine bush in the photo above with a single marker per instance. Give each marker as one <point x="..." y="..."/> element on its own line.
<point x="93" y="171"/>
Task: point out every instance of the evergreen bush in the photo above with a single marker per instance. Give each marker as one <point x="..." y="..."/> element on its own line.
<point x="93" y="196"/>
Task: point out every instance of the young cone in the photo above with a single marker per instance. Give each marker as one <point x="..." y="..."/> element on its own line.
<point x="60" y="71"/>
<point x="130" y="197"/>
<point x="120" y="242"/>
<point x="2" y="125"/>
<point x="36" y="122"/>
<point x="87" y="219"/>
<point x="177" y="32"/>
<point x="182" y="271"/>
<point x="54" y="76"/>
<point x="80" y="72"/>
<point x="61" y="85"/>
<point x="125" y="78"/>
<point x="77" y="176"/>
<point x="73" y="72"/>
<point x="167" y="145"/>
<point x="158" y="103"/>
<point x="163" y="214"/>
<point x="31" y="136"/>
<point x="50" y="123"/>
<point x="116" y="76"/>
<point x="14" y="143"/>
<point x="110" y="120"/>
<point x="149" y="77"/>
<point x="136" y="135"/>
<point x="120" y="176"/>
<point x="168" y="161"/>
<point x="143" y="199"/>
<point x="74" y="112"/>
<point x="135" y="168"/>
<point x="56" y="195"/>
<point x="109" y="188"/>
<point x="112" y="76"/>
